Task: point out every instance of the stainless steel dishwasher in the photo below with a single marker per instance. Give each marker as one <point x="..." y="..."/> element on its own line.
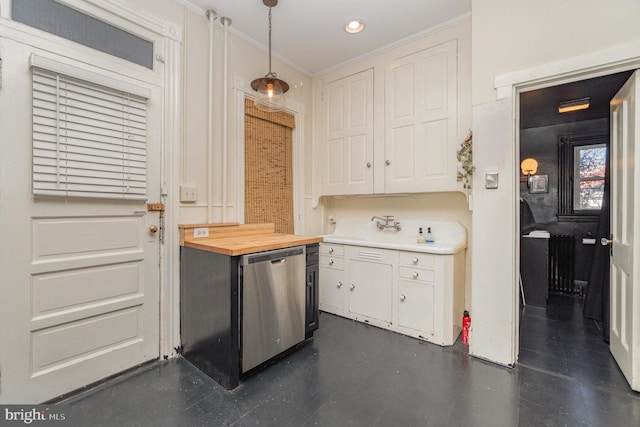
<point x="273" y="304"/>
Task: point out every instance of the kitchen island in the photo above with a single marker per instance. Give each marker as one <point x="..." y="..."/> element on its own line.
<point x="247" y="294"/>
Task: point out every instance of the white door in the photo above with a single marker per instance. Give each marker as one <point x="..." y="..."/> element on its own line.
<point x="625" y="228"/>
<point x="420" y="121"/>
<point x="79" y="277"/>
<point x="348" y="151"/>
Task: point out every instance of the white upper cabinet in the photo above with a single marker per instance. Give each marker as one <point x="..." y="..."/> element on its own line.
<point x="420" y="121"/>
<point x="348" y="141"/>
<point x="392" y="125"/>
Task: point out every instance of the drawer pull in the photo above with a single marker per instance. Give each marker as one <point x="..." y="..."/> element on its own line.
<point x="339" y="284"/>
<point x="415" y="260"/>
<point x="330" y="262"/>
<point x="415" y="274"/>
<point x="403" y="297"/>
<point x="330" y="250"/>
<point x="352" y="286"/>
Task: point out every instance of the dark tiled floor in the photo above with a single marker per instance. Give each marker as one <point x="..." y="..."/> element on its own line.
<point x="352" y="374"/>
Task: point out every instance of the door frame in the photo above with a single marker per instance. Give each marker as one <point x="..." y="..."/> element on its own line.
<point x="167" y="39"/>
<point x="511" y="85"/>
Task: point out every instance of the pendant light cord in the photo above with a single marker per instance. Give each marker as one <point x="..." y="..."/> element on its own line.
<point x="270" y="73"/>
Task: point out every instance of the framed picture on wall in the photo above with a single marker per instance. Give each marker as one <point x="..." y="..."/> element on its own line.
<point x="539" y="184"/>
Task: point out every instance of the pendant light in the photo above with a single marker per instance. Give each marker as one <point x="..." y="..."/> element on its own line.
<point x="270" y="89"/>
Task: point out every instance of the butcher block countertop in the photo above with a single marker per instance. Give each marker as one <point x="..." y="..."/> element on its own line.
<point x="239" y="239"/>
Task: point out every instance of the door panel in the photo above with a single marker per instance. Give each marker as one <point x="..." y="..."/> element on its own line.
<point x="625" y="178"/>
<point x="80" y="277"/>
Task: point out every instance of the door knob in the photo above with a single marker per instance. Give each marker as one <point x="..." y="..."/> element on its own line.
<point x="387" y="162"/>
<point x="604" y="241"/>
<point x="153" y="229"/>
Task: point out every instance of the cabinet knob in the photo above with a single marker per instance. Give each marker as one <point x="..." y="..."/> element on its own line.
<point x="415" y="260"/>
<point x="309" y="284"/>
<point x="330" y="262"/>
<point x="368" y="164"/>
<point x="415" y="274"/>
<point x="339" y="284"/>
<point x="352" y="286"/>
<point x="388" y="162"/>
<point x="403" y="297"/>
<point x="330" y="250"/>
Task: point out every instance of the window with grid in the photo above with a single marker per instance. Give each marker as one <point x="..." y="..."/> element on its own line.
<point x="588" y="176"/>
<point x="89" y="134"/>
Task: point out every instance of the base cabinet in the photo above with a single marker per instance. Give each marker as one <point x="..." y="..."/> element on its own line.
<point x="370" y="287"/>
<point x="412" y="299"/>
<point x="312" y="314"/>
<point x="413" y="293"/>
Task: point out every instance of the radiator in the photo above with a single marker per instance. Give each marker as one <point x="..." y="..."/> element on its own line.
<point x="562" y="251"/>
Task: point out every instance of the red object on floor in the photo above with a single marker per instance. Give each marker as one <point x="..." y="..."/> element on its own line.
<point x="466" y="323"/>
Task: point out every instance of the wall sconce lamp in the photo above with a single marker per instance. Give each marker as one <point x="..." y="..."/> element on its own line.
<point x="528" y="167"/>
<point x="574" y="105"/>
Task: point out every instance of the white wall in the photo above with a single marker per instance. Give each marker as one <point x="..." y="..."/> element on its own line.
<point x="245" y="61"/>
<point x="541" y="40"/>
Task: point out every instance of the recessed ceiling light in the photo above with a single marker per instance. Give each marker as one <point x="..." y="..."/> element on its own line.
<point x="353" y="27"/>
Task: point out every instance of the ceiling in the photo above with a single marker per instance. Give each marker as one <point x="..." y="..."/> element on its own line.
<point x="540" y="107"/>
<point x="309" y="34"/>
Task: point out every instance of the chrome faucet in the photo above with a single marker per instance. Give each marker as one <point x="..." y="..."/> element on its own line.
<point x="389" y="222"/>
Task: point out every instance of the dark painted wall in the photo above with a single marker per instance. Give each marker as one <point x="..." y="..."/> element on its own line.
<point x="541" y="143"/>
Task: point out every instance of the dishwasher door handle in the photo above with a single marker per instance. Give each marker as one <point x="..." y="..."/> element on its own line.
<point x="279" y="261"/>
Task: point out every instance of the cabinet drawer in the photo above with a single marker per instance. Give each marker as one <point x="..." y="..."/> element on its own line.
<point x="331" y="262"/>
<point x="417" y="274"/>
<point x="417" y="259"/>
<point x="333" y="250"/>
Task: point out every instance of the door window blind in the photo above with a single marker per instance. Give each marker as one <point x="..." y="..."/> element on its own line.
<point x="89" y="140"/>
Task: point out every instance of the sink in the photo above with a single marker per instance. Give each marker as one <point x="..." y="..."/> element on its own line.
<point x="450" y="236"/>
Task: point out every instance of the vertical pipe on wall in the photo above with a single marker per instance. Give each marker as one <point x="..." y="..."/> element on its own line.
<point x="225" y="125"/>
<point x="212" y="15"/>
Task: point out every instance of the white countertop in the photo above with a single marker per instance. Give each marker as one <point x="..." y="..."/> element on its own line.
<point x="450" y="237"/>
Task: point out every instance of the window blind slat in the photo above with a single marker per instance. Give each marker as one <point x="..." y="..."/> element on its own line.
<point x="88" y="140"/>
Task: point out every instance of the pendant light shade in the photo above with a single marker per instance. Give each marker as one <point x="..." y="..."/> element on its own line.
<point x="270" y="89"/>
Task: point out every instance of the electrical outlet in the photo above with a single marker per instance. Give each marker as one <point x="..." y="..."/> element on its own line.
<point x="188" y="193"/>
<point x="201" y="232"/>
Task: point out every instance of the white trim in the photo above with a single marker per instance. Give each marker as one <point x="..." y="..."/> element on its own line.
<point x="170" y="189"/>
<point x="510" y="85"/>
<point x="612" y="60"/>
<point x="48" y="64"/>
<point x="243" y="90"/>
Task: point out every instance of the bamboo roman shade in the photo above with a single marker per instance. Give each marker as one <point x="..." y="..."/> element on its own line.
<point x="89" y="134"/>
<point x="268" y="168"/>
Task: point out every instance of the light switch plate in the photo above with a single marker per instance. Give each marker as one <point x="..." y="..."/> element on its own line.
<point x="188" y="193"/>
<point x="491" y="180"/>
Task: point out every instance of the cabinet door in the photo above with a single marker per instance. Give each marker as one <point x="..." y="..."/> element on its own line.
<point x="332" y="290"/>
<point x="370" y="289"/>
<point x="348" y="145"/>
<point x="415" y="306"/>
<point x="311" y="309"/>
<point x="420" y="114"/>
